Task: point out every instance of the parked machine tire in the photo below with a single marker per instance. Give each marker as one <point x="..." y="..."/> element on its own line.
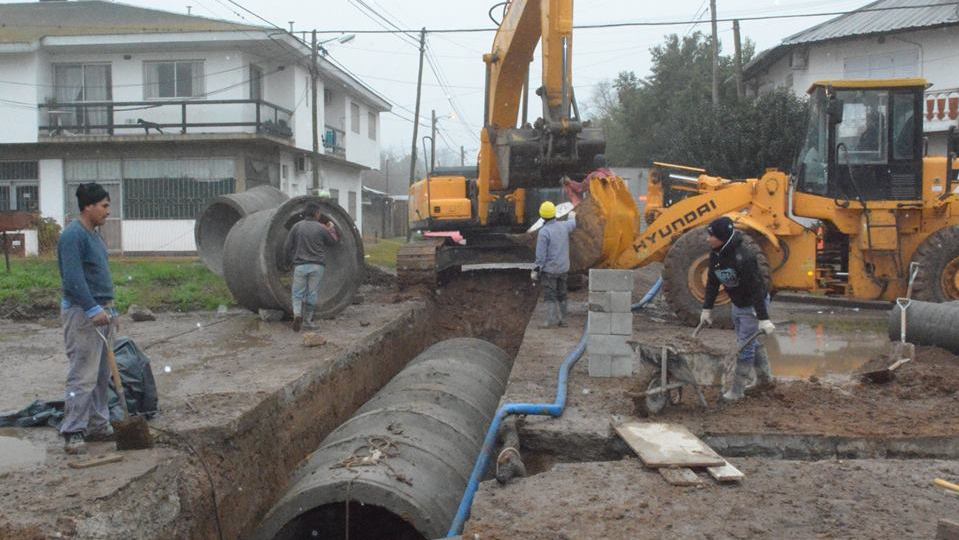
<point x="684" y="278"/>
<point x="938" y="258"/>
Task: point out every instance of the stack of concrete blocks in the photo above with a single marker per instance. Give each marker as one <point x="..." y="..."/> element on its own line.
<point x="610" y="323"/>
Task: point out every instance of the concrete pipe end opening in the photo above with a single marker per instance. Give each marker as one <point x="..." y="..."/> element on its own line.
<point x="215" y="221"/>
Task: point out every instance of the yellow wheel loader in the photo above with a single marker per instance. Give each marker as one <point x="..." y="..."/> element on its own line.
<point x="862" y="203"/>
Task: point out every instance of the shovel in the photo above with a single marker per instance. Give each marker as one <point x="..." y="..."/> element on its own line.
<point x="132" y="432"/>
<point x="900" y="351"/>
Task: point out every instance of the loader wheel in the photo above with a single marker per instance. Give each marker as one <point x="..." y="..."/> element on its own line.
<point x="684" y="278"/>
<point x="938" y="258"/>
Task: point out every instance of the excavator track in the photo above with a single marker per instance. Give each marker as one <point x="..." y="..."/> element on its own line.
<point x="416" y="263"/>
<point x="421" y="262"/>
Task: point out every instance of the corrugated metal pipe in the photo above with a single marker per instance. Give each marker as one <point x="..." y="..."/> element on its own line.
<point x="928" y="324"/>
<point x="397" y="469"/>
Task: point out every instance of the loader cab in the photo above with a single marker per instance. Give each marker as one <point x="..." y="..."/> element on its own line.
<point x="863" y="141"/>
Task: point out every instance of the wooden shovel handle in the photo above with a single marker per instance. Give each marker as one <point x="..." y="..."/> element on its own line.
<point x="115" y="372"/>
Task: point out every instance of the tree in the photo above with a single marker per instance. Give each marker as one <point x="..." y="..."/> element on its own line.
<point x="669" y="115"/>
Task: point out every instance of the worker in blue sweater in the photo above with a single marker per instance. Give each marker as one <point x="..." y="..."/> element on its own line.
<point x="87" y="314"/>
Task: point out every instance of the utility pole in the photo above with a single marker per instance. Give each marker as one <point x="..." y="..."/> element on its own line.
<point x="315" y="157"/>
<point x="738" y="59"/>
<point x="416" y="115"/>
<point x="712" y="12"/>
<point x="462" y="157"/>
<point x="433" y="144"/>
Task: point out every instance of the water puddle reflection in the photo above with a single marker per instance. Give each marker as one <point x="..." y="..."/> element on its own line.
<point x="801" y="350"/>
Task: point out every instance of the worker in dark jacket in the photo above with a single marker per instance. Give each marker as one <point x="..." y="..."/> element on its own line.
<point x="735" y="267"/>
<point x="306" y="248"/>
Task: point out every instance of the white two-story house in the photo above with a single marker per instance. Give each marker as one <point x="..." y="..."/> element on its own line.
<point x="168" y="111"/>
<point x="883" y="39"/>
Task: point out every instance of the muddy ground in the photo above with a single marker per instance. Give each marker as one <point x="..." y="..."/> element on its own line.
<point x="778" y="499"/>
<point x="242" y="402"/>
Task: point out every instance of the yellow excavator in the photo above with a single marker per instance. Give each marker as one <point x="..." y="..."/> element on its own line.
<point x="865" y="213"/>
<point x="475" y="215"/>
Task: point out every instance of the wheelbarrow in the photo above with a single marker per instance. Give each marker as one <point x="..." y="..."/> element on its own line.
<point x="672" y="368"/>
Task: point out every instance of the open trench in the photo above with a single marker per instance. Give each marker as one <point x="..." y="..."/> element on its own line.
<point x="250" y="464"/>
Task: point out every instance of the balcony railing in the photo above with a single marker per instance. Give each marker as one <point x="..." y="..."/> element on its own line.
<point x="334" y="141"/>
<point x="185" y="116"/>
<point x="942" y="108"/>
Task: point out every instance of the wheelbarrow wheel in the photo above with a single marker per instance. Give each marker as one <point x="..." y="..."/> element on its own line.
<point x="650" y="404"/>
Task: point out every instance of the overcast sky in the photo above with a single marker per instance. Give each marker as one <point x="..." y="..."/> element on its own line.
<point x="388" y="64"/>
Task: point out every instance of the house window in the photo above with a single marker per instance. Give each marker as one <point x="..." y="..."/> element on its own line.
<point x="327" y="97"/>
<point x="285" y="172"/>
<point x="352" y="204"/>
<point x="894" y="65"/>
<point x="256" y="82"/>
<point x="335" y="195"/>
<point x="371" y="118"/>
<point x="76" y="83"/>
<point x="181" y="79"/>
<point x="355" y="117"/>
<point x="19" y="186"/>
<point x="173" y="189"/>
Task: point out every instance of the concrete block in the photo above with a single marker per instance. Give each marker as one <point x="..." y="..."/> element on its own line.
<point x="599" y="365"/>
<point x="620" y="324"/>
<point x="611" y="345"/>
<point x="599" y="323"/>
<point x="621" y="366"/>
<point x="610" y="280"/>
<point x="619" y="302"/>
<point x="600" y="301"/>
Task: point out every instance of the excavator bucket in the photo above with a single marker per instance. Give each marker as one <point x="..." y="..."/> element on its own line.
<point x="607" y="223"/>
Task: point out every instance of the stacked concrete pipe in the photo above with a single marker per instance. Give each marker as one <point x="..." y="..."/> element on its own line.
<point x="254" y="264"/>
<point x="216" y="220"/>
<point x="430" y="421"/>
<point x="928" y="324"/>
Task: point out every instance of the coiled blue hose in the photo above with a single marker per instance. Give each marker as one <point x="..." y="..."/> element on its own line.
<point x="554" y="409"/>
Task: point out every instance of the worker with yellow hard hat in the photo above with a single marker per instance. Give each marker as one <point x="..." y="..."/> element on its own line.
<point x="552" y="263"/>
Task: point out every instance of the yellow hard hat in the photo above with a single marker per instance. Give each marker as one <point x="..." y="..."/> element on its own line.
<point x="547" y="210"/>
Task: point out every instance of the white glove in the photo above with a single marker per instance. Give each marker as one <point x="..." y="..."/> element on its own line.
<point x="767" y="327"/>
<point x="706" y="317"/>
<point x="534" y="275"/>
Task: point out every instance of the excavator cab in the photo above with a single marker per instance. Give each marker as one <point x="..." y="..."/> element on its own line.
<point x="863" y="142"/>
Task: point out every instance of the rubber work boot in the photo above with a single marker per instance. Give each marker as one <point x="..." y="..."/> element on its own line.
<point x="737" y="391"/>
<point x="562" y="314"/>
<point x="308" y="321"/>
<point x="103" y="434"/>
<point x="74" y="444"/>
<point x="552" y="315"/>
<point x="297" y="323"/>
<point x="764" y="375"/>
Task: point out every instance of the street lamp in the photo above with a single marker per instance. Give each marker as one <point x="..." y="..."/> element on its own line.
<point x="345" y="38"/>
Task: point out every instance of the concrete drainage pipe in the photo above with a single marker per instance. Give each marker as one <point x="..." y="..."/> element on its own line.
<point x="216" y="220"/>
<point x="928" y="323"/>
<point x="399" y="467"/>
<point x="253" y="259"/>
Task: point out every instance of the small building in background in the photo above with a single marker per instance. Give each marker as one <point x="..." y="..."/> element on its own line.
<point x="168" y="111"/>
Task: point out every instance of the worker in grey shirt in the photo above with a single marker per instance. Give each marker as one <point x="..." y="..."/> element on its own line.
<point x="552" y="261"/>
<point x="306" y="249"/>
<point x="88" y="317"/>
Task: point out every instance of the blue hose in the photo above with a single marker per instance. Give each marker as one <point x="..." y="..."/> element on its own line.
<point x="554" y="409"/>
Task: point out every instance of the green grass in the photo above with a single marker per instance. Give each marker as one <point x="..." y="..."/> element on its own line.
<point x="161" y="284"/>
<point x="383" y="252"/>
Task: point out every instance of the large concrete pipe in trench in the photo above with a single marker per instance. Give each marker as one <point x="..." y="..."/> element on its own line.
<point x="214" y="223"/>
<point x="254" y="262"/>
<point x="928" y="324"/>
<point x="429" y="422"/>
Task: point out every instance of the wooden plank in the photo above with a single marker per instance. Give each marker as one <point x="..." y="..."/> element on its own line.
<point x="947" y="530"/>
<point x="667" y="445"/>
<point x="726" y="473"/>
<point x="93" y="462"/>
<point x="680" y="477"/>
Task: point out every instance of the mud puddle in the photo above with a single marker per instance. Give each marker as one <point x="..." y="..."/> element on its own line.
<point x="18" y="454"/>
<point x="801" y="350"/>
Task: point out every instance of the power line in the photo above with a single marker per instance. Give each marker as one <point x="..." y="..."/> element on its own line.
<point x="657" y="23"/>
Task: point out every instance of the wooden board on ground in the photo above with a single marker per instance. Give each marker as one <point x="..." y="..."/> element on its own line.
<point x="93" y="462"/>
<point x="680" y="477"/>
<point x="668" y="445"/>
<point x="726" y="473"/>
<point x="947" y="530"/>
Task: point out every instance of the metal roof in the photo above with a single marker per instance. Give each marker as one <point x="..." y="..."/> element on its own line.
<point x="880" y="17"/>
<point x="28" y="22"/>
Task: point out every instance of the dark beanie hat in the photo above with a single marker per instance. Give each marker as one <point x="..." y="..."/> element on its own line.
<point x="91" y="193"/>
<point x="721" y="228"/>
